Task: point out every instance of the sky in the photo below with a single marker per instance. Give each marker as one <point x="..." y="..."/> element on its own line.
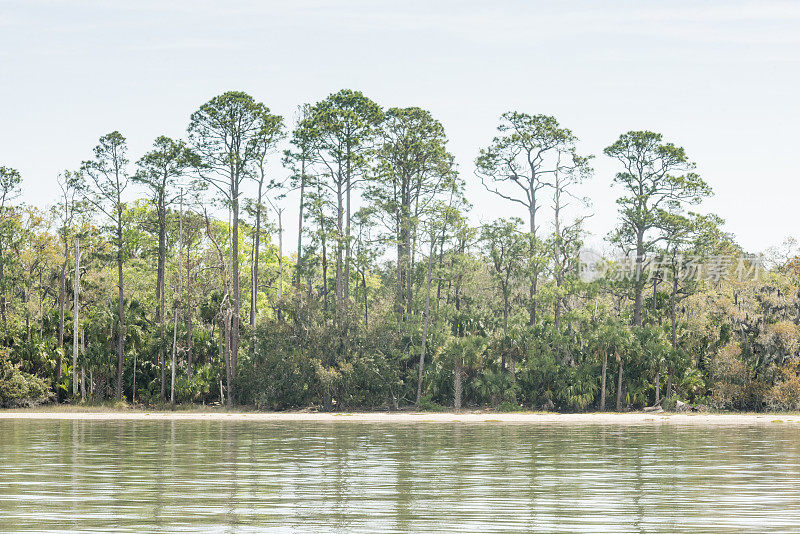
<point x="720" y="79"/>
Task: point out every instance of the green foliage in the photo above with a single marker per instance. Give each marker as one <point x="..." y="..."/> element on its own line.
<point x="785" y="395"/>
<point x="388" y="267"/>
<point x="428" y="405"/>
<point x="507" y="406"/>
<point x="18" y="388"/>
<point x="199" y="387"/>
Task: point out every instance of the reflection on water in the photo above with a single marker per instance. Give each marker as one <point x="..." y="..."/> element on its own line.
<point x="353" y="477"/>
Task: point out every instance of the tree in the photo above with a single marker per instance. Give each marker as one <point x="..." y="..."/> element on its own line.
<point x="160" y="170"/>
<point x="76" y="309"/>
<point x="413" y="170"/>
<point x="224" y="133"/>
<point x="263" y="142"/>
<point x="652" y="349"/>
<point x="173" y="366"/>
<point x="344" y="127"/>
<point x="223" y="312"/>
<point x="427" y="314"/>
<point x="462" y="350"/>
<point x="319" y="205"/>
<point x="366" y="253"/>
<point x="70" y="184"/>
<point x="278" y="210"/>
<point x="9" y="190"/>
<point x="613" y="338"/>
<point x="461" y="267"/>
<point x="106" y="184"/>
<point x="442" y="318"/>
<point x="193" y="225"/>
<point x="687" y="239"/>
<point x="506" y="249"/>
<point x="656" y="178"/>
<point x="571" y="170"/>
<point x="527" y="152"/>
<point x="298" y="160"/>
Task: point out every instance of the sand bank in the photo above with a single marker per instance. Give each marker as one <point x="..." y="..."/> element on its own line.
<point x="634" y="418"/>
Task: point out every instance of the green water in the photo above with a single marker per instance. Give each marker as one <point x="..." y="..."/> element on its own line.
<point x="353" y="477"/>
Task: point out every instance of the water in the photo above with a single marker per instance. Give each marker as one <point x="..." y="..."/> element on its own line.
<point x="354" y="477"/>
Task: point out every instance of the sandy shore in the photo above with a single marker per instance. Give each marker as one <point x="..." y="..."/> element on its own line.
<point x="637" y="418"/>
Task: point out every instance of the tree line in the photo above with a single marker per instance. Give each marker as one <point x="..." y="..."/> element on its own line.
<point x="391" y="297"/>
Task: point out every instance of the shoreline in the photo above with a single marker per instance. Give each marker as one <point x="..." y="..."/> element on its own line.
<point x="597" y="418"/>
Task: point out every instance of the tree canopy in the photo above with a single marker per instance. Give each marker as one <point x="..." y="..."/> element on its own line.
<point x="129" y="287"/>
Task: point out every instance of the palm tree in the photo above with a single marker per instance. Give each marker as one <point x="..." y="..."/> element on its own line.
<point x="652" y="345"/>
<point x="614" y="338"/>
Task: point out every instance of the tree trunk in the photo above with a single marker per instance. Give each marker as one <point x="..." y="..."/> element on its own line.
<point x="121" y="307"/>
<point x="160" y="293"/>
<point x="174" y="350"/>
<point x="532" y="259"/>
<point x="75" y="316"/>
<point x="409" y="268"/>
<point x="299" y="264"/>
<point x="657" y="385"/>
<point x="619" y="385"/>
<point x="324" y="244"/>
<point x="189" y="333"/>
<point x="366" y="302"/>
<point x="133" y="386"/>
<point x="401" y="281"/>
<point x="348" y="252"/>
<point x="557" y="266"/>
<point x="62" y="296"/>
<point x="223" y="354"/>
<point x="440" y="263"/>
<point x="603" y="382"/>
<point x="280" y="254"/>
<point x="254" y="276"/>
<point x="3" y="294"/>
<point x="234" y="324"/>
<point x="668" y="394"/>
<point x="228" y="357"/>
<point x="324" y="274"/>
<point x="339" y="243"/>
<point x="457" y="376"/>
<point x="674" y="333"/>
<point x="111" y="348"/>
<point x="61" y="305"/>
<point x="506" y="357"/>
<point x="638" y="286"/>
<point x="177" y="307"/>
<point x="427" y="318"/>
<point x="83" y="385"/>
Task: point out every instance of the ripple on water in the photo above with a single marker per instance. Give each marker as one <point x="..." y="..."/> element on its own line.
<point x="350" y="477"/>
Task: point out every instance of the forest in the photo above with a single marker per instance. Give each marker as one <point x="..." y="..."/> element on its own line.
<point x="164" y="278"/>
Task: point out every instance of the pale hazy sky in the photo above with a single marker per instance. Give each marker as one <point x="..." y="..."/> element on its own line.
<point x="719" y="78"/>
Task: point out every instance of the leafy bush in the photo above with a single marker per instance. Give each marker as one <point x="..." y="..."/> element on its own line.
<point x="200" y="388"/>
<point x="18" y="388"/>
<point x="427" y="405"/>
<point x="785" y="395"/>
<point x="731" y="376"/>
<point x="507" y="406"/>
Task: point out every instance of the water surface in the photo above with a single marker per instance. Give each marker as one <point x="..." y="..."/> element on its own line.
<point x="209" y="476"/>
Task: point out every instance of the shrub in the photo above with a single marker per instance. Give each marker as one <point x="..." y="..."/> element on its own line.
<point x="427" y="405"/>
<point x="18" y="388"/>
<point x="507" y="406"/>
<point x="731" y="376"/>
<point x="785" y="395"/>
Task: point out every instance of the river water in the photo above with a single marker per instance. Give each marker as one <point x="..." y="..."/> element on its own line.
<point x="150" y="476"/>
